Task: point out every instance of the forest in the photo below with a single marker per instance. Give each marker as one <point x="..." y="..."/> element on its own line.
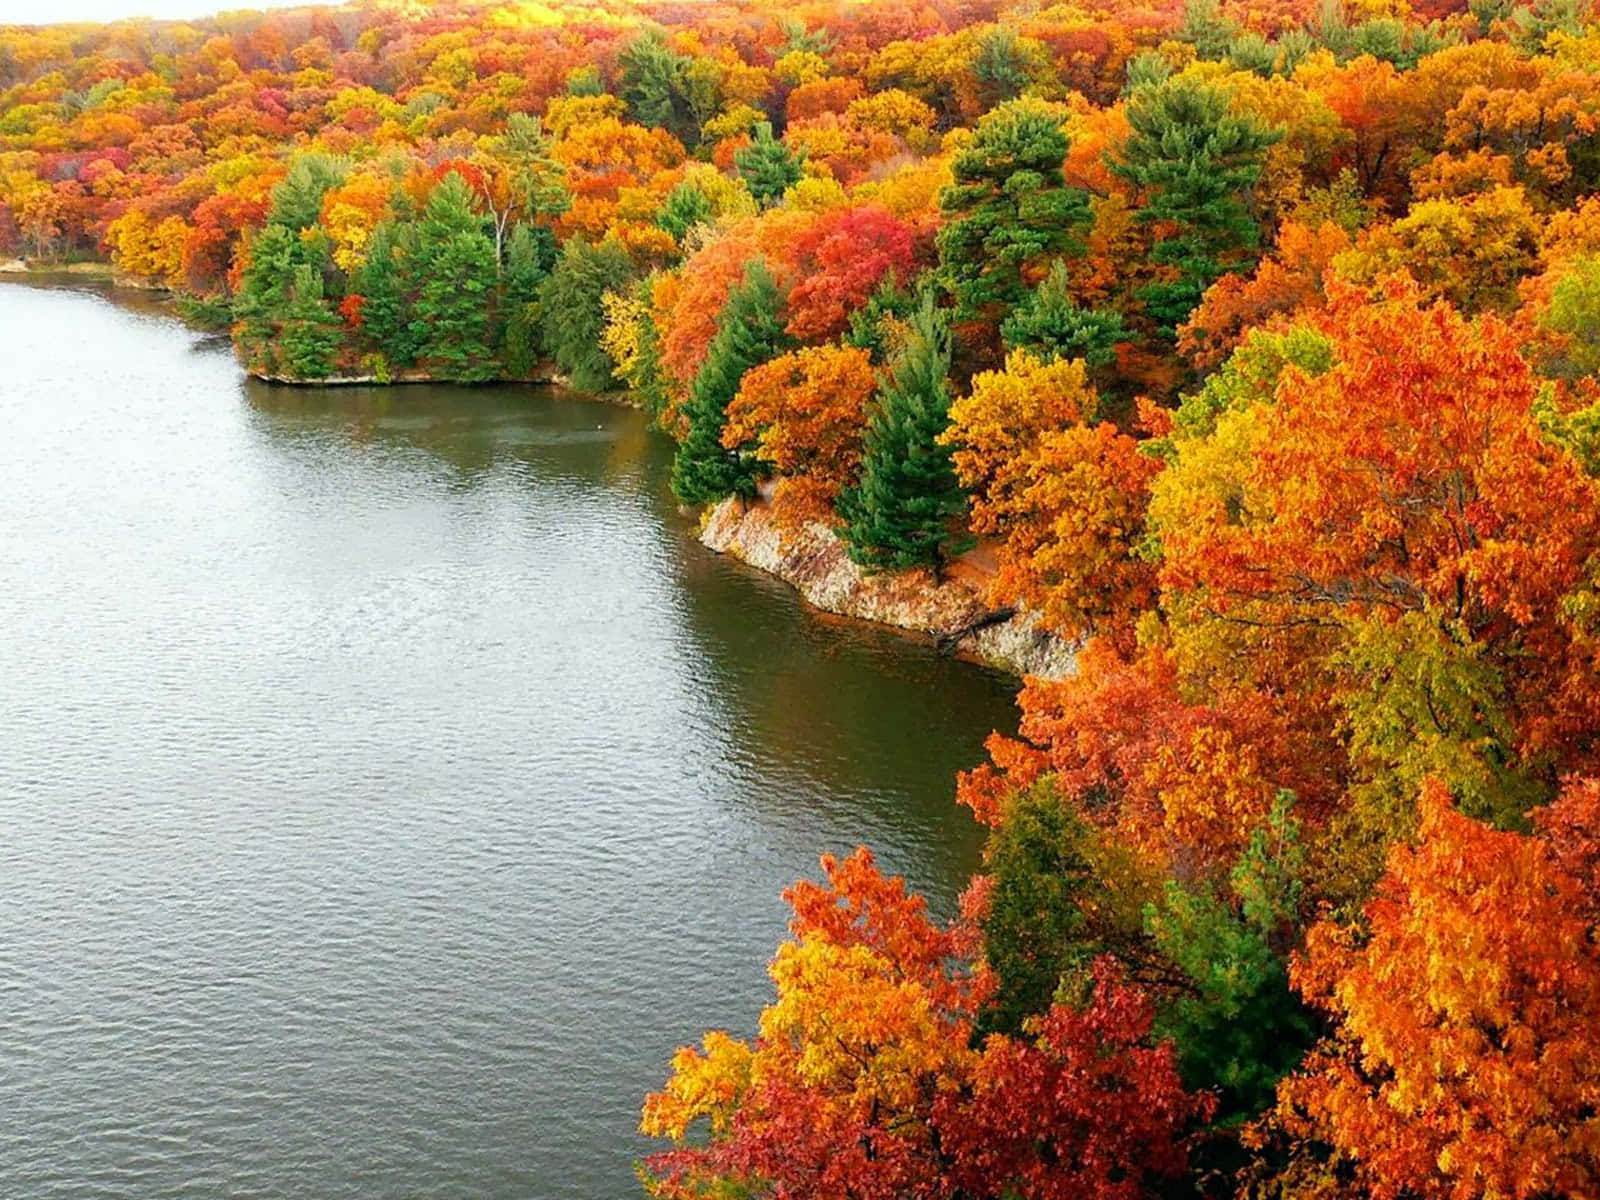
<point x="1260" y="342"/>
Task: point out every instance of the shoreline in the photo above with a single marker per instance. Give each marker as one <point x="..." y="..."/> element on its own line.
<point x="810" y="557"/>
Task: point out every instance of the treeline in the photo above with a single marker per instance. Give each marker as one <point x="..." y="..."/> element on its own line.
<point x="1256" y="342"/>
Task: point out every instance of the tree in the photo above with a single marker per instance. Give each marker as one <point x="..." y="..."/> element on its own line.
<point x="1043" y="900"/>
<point x="454" y="263"/>
<point x="685" y="207"/>
<point x="530" y="254"/>
<point x="264" y="292"/>
<point x="1063" y="492"/>
<point x="659" y="87"/>
<point x="1090" y="1106"/>
<point x="297" y="200"/>
<point x="1009" y="210"/>
<point x="1291" y="279"/>
<point x="804" y="412"/>
<point x="573" y="316"/>
<point x="905" y="510"/>
<point x="1571" y="320"/>
<point x="384" y="283"/>
<point x="1463" y="1062"/>
<point x="520" y="180"/>
<point x="1193" y="161"/>
<point x="748" y="334"/>
<point x="1182" y="776"/>
<point x="864" y="1083"/>
<point x="871" y="1024"/>
<point x="1437" y="494"/>
<point x="839" y="262"/>
<point x="767" y="166"/>
<point x="310" y="334"/>
<point x="1051" y="325"/>
<point x="1238" y="1026"/>
<point x="1471" y="251"/>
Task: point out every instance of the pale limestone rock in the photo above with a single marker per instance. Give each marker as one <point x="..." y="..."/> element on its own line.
<point x="813" y="560"/>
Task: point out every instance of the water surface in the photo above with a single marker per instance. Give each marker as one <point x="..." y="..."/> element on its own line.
<point x="388" y="781"/>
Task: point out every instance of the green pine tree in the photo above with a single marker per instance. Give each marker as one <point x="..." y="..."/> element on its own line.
<point x="1009" y="208"/>
<point x="749" y="333"/>
<point x="685" y="207"/>
<point x="1050" y="325"/>
<point x="384" y="285"/>
<point x="530" y="253"/>
<point x="1194" y="161"/>
<point x="455" y="267"/>
<point x="768" y="167"/>
<point x="1238" y="1026"/>
<point x="571" y="312"/>
<point x="657" y="86"/>
<point x="906" y="510"/>
<point x="311" y="334"/>
<point x="1043" y="884"/>
<point x="264" y="290"/>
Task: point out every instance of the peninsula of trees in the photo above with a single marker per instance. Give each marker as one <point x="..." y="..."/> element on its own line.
<point x="1256" y="340"/>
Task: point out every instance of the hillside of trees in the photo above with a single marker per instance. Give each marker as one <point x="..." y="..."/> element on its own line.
<point x="1259" y="341"/>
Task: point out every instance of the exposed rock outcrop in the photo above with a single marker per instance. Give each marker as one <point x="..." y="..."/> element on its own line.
<point x="813" y="560"/>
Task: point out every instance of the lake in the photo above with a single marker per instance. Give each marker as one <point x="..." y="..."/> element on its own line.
<point x="389" y="781"/>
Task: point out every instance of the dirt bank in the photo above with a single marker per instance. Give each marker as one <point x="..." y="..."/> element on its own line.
<point x="813" y="560"/>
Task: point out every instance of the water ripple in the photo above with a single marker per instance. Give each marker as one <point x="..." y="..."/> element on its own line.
<point x="387" y="782"/>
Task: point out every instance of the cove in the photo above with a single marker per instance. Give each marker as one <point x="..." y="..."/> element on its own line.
<point x="389" y="781"/>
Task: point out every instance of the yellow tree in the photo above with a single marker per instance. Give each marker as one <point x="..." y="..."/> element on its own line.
<point x="1062" y="493"/>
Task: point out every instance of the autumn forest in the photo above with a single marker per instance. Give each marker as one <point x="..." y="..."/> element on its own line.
<point x="1258" y="342"/>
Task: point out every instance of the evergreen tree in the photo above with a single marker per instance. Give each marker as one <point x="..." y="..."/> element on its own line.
<point x="297" y="200"/>
<point x="1206" y="29"/>
<point x="455" y="269"/>
<point x="685" y="207"/>
<point x="749" y="333"/>
<point x="1050" y="325"/>
<point x="905" y="509"/>
<point x="1043" y="882"/>
<point x="649" y="380"/>
<point x="1238" y="1026"/>
<point x="869" y="324"/>
<point x="656" y="86"/>
<point x="1009" y="208"/>
<point x="572" y="316"/>
<point x="311" y="334"/>
<point x="767" y="166"/>
<point x="383" y="282"/>
<point x="264" y="292"/>
<point x="1004" y="65"/>
<point x="1194" y="161"/>
<point x="530" y="253"/>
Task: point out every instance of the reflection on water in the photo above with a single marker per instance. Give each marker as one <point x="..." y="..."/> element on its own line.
<point x="388" y="781"/>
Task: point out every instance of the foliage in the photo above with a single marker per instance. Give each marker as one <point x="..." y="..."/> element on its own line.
<point x="903" y="511"/>
<point x="1192" y="161"/>
<point x="1008" y="211"/>
<point x="1263" y="370"/>
<point x="453" y="261"/>
<point x="1464" y="1061"/>
<point x="706" y="468"/>
<point x="570" y="303"/>
<point x="805" y="412"/>
<point x="767" y="166"/>
<point x="1062" y="491"/>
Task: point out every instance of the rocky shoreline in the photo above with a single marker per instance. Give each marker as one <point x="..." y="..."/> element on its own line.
<point x="812" y="559"/>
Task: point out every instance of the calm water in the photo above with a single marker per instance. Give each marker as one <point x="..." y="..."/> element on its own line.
<point x="388" y="782"/>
